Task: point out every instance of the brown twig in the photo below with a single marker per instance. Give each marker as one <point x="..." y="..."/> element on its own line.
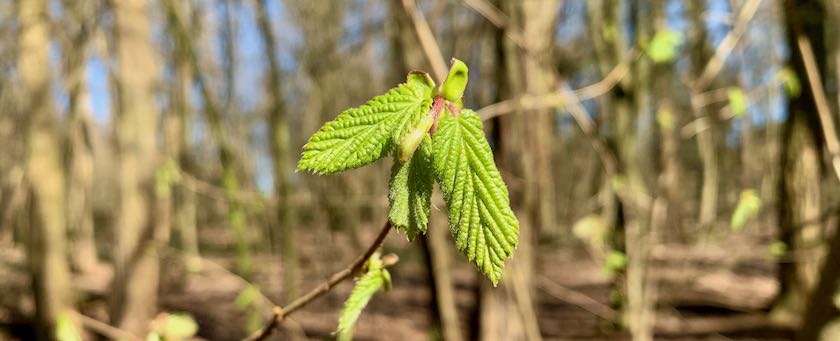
<point x="715" y="64"/>
<point x="104" y="329"/>
<point x="427" y="39"/>
<point x="577" y="298"/>
<point x="535" y="102"/>
<point x="281" y="312"/>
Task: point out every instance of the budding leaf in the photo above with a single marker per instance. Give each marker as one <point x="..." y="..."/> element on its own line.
<point x="410" y="192"/>
<point x="359" y="136"/>
<point x="749" y="204"/>
<point x="456" y="81"/>
<point x="413" y="137"/>
<point x="366" y="286"/>
<point x="480" y="218"/>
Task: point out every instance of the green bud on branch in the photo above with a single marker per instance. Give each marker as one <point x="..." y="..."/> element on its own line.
<point x="455" y="83"/>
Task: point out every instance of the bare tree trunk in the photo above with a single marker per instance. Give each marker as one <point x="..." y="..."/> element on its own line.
<point x="509" y="313"/>
<point x="47" y="244"/>
<point x="80" y="172"/>
<point x="800" y="188"/>
<point x="136" y="262"/>
<point x="440" y="269"/>
<point x="279" y="130"/>
<point x="178" y="130"/>
<point x="237" y="219"/>
<point x="705" y="139"/>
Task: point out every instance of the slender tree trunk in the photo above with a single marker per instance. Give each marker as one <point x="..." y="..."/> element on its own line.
<point x="47" y="244"/>
<point x="136" y="261"/>
<point x="509" y="313"/>
<point x="279" y="131"/>
<point x="800" y="187"/>
<point x="237" y="219"/>
<point x="705" y="139"/>
<point x="179" y="130"/>
<point x="80" y="172"/>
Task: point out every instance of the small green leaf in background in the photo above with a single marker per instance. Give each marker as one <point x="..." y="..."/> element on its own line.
<point x="591" y="229"/>
<point x="664" y="46"/>
<point x="249" y="301"/>
<point x="360" y="136"/>
<point x="790" y="81"/>
<point x="376" y="278"/>
<point x="456" y="82"/>
<point x="410" y="191"/>
<point x="778" y="249"/>
<point x="665" y="119"/>
<point x="65" y="328"/>
<point x="737" y="101"/>
<point x="172" y="327"/>
<point x="615" y="262"/>
<point x="748" y="206"/>
<point x="480" y="218"/>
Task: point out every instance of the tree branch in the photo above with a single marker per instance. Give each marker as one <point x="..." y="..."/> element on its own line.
<point x="103" y="328"/>
<point x="353" y="268"/>
<point x="427" y="39"/>
<point x="556" y="99"/>
<point x="715" y="64"/>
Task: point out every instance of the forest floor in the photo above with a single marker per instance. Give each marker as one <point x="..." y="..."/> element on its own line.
<point x="705" y="292"/>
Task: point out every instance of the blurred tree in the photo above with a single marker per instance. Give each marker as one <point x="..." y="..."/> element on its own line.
<point x="279" y="146"/>
<point x="81" y="16"/>
<point x="135" y="252"/>
<point x="46" y="239"/>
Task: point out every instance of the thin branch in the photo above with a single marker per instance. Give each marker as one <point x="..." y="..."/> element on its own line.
<point x="353" y="268"/>
<point x="499" y="19"/>
<point x="426" y="38"/>
<point x="556" y="99"/>
<point x="715" y="64"/>
<point x="104" y="329"/>
<point x="577" y="298"/>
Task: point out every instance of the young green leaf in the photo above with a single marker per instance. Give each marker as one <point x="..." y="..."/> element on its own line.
<point x="738" y="102"/>
<point x="749" y="204"/>
<point x="360" y="136"/>
<point x="456" y="81"/>
<point x="410" y="191"/>
<point x="664" y="47"/>
<point x="366" y="286"/>
<point x="480" y="219"/>
<point x="413" y="138"/>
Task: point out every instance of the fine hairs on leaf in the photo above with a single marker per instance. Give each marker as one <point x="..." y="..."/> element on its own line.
<point x="360" y="136"/>
<point x="431" y="139"/>
<point x="410" y="191"/>
<point x="482" y="223"/>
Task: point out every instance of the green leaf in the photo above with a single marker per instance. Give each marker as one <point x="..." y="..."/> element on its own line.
<point x="790" y="81"/>
<point x="366" y="286"/>
<point x="663" y="47"/>
<point x="456" y="81"/>
<point x="737" y="101"/>
<point x="179" y="326"/>
<point x="748" y="207"/>
<point x="615" y="262"/>
<point x="480" y="219"/>
<point x="360" y="136"/>
<point x="410" y="191"/>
